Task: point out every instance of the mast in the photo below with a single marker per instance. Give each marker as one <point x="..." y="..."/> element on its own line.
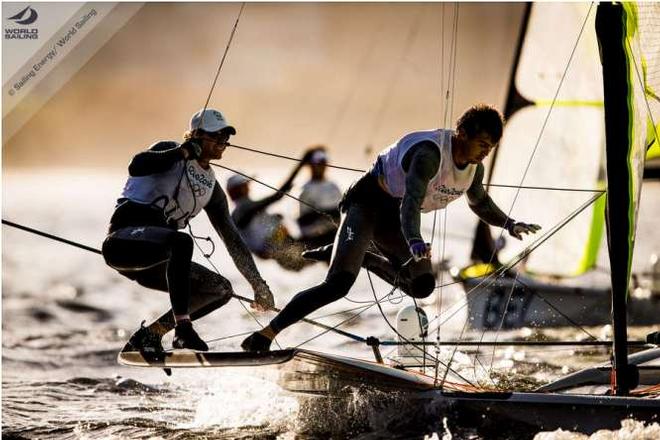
<point x="622" y="30"/>
<point x="609" y="28"/>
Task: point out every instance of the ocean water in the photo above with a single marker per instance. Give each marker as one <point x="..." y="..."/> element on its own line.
<point x="65" y="315"/>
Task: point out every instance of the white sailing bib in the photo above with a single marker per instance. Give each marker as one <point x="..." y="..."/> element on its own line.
<point x="182" y="191"/>
<point x="448" y="184"/>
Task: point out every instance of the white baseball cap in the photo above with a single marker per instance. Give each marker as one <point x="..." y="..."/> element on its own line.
<point x="236" y="180"/>
<point x="210" y="120"/>
<point x="318" y="157"/>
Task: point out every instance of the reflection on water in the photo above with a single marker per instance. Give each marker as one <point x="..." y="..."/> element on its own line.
<point x="65" y="316"/>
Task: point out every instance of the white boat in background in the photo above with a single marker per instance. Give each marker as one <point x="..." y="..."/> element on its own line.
<point x="557" y="284"/>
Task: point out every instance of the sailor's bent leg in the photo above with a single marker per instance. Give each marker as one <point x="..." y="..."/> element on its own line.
<point x="415" y="278"/>
<point x="208" y="291"/>
<point x="178" y="272"/>
<point x="382" y="268"/>
<point x="156" y="258"/>
<point x="135" y="249"/>
<point x="355" y="233"/>
<point x="335" y="287"/>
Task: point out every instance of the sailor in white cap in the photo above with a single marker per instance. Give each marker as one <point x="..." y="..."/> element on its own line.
<point x="265" y="234"/>
<point x="168" y="185"/>
<point x="319" y="203"/>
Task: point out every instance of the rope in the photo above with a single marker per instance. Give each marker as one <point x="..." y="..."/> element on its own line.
<point x="208" y="259"/>
<point x="51" y="236"/>
<point x="538" y="141"/>
<point x="491" y="278"/>
<point x="222" y="61"/>
<point x="318" y="211"/>
<point x="359" y="170"/>
<point x="234" y="295"/>
<point x="407" y="341"/>
<point x="395" y="74"/>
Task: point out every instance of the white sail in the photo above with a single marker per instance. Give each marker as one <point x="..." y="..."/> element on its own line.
<point x="562" y="150"/>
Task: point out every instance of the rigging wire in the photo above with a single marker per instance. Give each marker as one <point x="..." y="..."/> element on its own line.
<point x="234" y="295"/>
<point x="396" y="73"/>
<point x="341" y="111"/>
<point x="336" y="326"/>
<point x="407" y="341"/>
<point x="358" y="170"/>
<point x="644" y="88"/>
<point x="501" y="324"/>
<point x="490" y="279"/>
<point x="295" y="159"/>
<point x="318" y="211"/>
<point x="542" y="130"/>
<point x="222" y="61"/>
<point x="449" y="108"/>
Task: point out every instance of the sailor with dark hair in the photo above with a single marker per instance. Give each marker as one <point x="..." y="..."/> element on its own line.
<point x="168" y="185"/>
<point x="421" y="172"/>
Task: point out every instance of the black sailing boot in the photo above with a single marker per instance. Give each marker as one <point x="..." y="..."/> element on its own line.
<point x="186" y="337"/>
<point x="145" y="341"/>
<point x="256" y="342"/>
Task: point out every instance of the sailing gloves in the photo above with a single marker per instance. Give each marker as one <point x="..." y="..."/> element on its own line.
<point x="516" y="229"/>
<point x="193" y="149"/>
<point x="263" y="297"/>
<point x="419" y="249"/>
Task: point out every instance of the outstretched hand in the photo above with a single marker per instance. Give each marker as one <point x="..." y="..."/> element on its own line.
<point x="516" y="229"/>
<point x="263" y="297"/>
<point x="419" y="249"/>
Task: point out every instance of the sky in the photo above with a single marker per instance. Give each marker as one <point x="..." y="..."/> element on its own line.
<point x="352" y="76"/>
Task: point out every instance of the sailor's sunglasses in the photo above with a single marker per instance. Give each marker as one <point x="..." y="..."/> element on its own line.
<point x="218" y="137"/>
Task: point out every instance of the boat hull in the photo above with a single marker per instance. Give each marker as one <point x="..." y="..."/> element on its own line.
<point x="341" y="381"/>
<point x="546" y="305"/>
<point x="524" y="414"/>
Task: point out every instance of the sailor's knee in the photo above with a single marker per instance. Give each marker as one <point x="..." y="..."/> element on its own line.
<point x="339" y="283"/>
<point x="422" y="285"/>
<point x="222" y="289"/>
<point x="209" y="284"/>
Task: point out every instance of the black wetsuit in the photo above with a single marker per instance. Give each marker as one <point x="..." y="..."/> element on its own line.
<point x="142" y="246"/>
<point x="372" y="216"/>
